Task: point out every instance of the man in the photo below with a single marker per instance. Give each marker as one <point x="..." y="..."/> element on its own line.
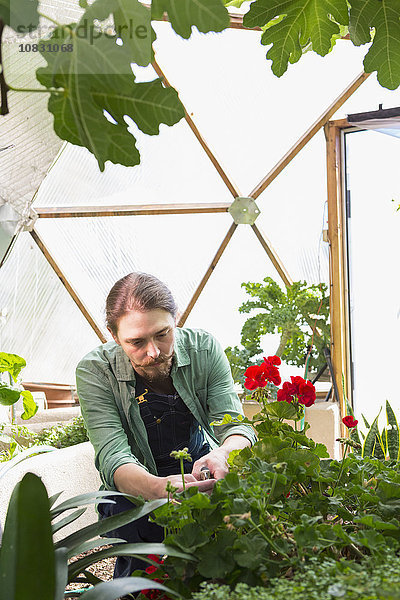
<point x="154" y="389"/>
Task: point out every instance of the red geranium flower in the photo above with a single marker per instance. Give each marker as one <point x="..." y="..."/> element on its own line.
<point x="255" y="377"/>
<point x="286" y="393"/>
<point x="151" y="593"/>
<point x="275" y="360"/>
<point x="306" y="393"/>
<point x="270" y="370"/>
<point x="299" y="388"/>
<point x="350" y="421"/>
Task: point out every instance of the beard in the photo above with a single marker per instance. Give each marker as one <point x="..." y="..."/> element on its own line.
<point x="155" y="370"/>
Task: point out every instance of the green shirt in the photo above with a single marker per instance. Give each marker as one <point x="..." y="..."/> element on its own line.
<point x="106" y="387"/>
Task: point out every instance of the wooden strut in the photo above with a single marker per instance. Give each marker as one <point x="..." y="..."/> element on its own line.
<point x="309" y="134"/>
<point x="337" y="263"/>
<point x="67" y="285"/>
<point x="230" y="185"/>
<point x="129" y="210"/>
<point x="206" y="277"/>
<point x="276" y="261"/>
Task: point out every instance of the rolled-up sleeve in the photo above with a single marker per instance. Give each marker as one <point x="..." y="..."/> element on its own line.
<point x="222" y="398"/>
<point x="102" y="421"/>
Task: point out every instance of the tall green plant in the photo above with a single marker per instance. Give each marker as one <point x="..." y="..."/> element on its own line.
<point x="293" y="313"/>
<point x="33" y="566"/>
<point x="384" y="444"/>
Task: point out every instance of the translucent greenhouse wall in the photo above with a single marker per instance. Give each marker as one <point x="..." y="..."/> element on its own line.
<point x="249" y="119"/>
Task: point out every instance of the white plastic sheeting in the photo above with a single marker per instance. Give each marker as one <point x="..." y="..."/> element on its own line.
<point x="250" y="119"/>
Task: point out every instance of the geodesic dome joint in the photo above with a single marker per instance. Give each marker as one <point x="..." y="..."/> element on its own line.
<point x="244" y="211"/>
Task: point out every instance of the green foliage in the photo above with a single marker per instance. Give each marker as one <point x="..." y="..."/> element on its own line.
<point x="301" y="23"/>
<point x="33" y="566"/>
<point x="292" y="314"/>
<point x="293" y="26"/>
<point x="383" y="444"/>
<point x="320" y="581"/>
<point x="79" y="109"/>
<point x="206" y="15"/>
<point x="19" y="12"/>
<point x="382" y="17"/>
<point x="15" y="438"/>
<point x="63" y="434"/>
<point x="9" y="393"/>
<point x="93" y="75"/>
<point x="283" y="505"/>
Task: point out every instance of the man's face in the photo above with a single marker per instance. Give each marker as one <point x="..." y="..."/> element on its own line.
<point x="147" y="338"/>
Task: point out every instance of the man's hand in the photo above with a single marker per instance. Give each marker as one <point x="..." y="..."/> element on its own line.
<point x="217" y="460"/>
<point x="190" y="481"/>
<point x="135" y="480"/>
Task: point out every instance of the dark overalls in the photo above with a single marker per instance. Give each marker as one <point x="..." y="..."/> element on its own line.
<point x="170" y="426"/>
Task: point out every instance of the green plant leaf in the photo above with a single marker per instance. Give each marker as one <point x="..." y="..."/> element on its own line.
<point x="109" y="524"/>
<point x="250" y="552"/>
<point x="53" y="499"/>
<point x="370" y="440"/>
<point x="142" y="550"/>
<point x="189" y="538"/>
<point x="281" y="410"/>
<point x="30" y="406"/>
<point x="392" y="433"/>
<point x="61" y="570"/>
<point x="384" y="53"/>
<point x="90" y="90"/>
<point x="112" y="590"/>
<point x="83" y="499"/>
<point x="97" y="543"/>
<point x="206" y="15"/>
<point x="367" y="425"/>
<point x="8" y="395"/>
<point x="19" y="15"/>
<point x="132" y="25"/>
<point x="304" y="22"/>
<point x="216" y="557"/>
<point x="68" y="519"/>
<point x="27" y="544"/>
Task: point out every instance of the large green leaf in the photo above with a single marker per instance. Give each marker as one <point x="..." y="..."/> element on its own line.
<point x="281" y="410"/>
<point x="108" y="524"/>
<point x="384" y="53"/>
<point x="112" y="590"/>
<point x="27" y="562"/>
<point x="131" y="24"/>
<point x="142" y="550"/>
<point x="206" y="15"/>
<point x="84" y="499"/>
<point x="11" y="362"/>
<point x="30" y="406"/>
<point x="392" y="433"/>
<point x="302" y="22"/>
<point x="61" y="565"/>
<point x="68" y="519"/>
<point x="8" y="395"/>
<point x="21" y="15"/>
<point x="370" y="440"/>
<point x="97" y="77"/>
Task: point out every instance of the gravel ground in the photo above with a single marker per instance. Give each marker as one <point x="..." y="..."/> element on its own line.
<point x="103" y="569"/>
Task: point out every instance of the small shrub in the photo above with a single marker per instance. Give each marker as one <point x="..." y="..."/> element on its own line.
<point x="318" y="580"/>
<point x="63" y="434"/>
